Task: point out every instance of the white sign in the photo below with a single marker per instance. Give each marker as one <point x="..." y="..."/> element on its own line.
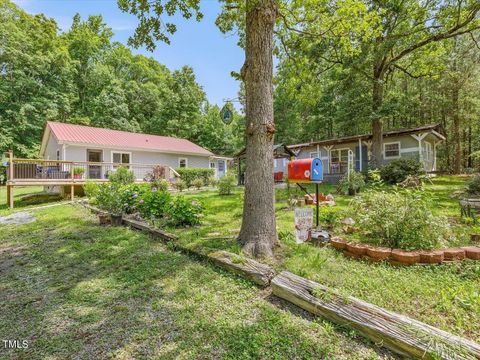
<point x="303" y="224"/>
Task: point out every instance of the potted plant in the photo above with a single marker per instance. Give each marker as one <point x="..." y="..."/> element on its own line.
<point x="351" y="185"/>
<point x="109" y="199"/>
<point x="78" y="172"/>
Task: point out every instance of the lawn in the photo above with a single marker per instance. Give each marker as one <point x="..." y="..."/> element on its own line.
<point x="446" y="296"/>
<point x="21" y="198"/>
<point x="74" y="289"/>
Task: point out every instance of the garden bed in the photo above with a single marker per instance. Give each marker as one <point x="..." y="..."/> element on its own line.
<point x="403" y="257"/>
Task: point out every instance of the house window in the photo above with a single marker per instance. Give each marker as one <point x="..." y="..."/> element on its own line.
<point x="314" y="155"/>
<point x="338" y="160"/>
<point x="392" y="150"/>
<point x="120" y="158"/>
<point x="428" y="151"/>
<point x="212" y="165"/>
<point x="58" y="154"/>
<point x="182" y="163"/>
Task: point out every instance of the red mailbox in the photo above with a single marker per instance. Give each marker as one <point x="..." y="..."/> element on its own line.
<point x="305" y="171"/>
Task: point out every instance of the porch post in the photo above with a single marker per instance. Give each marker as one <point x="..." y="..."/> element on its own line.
<point x="435" y="155"/>
<point x="72" y="187"/>
<point x="360" y="154"/>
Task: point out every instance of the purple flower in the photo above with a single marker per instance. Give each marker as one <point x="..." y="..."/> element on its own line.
<point x="154" y="189"/>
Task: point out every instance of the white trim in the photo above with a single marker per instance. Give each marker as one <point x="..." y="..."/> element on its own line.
<point x="121" y="152"/>
<point x="437" y="134"/>
<point x="392" y="143"/>
<point x="406" y="150"/>
<point x="186" y="162"/>
<point x="360" y="165"/>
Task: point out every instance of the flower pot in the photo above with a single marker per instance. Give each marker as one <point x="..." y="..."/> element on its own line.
<point x="379" y="253"/>
<point x="431" y="257"/>
<point x="472" y="252"/>
<point x="77" y="176"/>
<point x="405" y="257"/>
<point x="454" y="254"/>
<point x="103" y="218"/>
<point x="338" y="243"/>
<point x="356" y="248"/>
<point x="116" y="219"/>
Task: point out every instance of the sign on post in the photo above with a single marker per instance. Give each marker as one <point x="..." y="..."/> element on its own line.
<point x="226" y="114"/>
<point x="303" y="224"/>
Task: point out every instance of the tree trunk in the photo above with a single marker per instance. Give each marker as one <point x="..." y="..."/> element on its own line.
<point x="457" y="163"/>
<point x="258" y="234"/>
<point x="377" y="121"/>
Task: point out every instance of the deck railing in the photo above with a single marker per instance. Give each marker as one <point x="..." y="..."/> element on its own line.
<point x="38" y="170"/>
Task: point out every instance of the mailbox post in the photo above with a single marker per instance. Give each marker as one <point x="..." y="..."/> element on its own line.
<point x="307" y="171"/>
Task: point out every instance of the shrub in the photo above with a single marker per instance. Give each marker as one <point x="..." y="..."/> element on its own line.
<point x="198" y="183"/>
<point x="122" y="176"/>
<point x="3" y="175"/>
<point x="226" y="185"/>
<point x="91" y="191"/>
<point x="473" y="185"/>
<point x="399" y="219"/>
<point x="180" y="185"/>
<point x="154" y="204"/>
<point x="397" y="171"/>
<point x="190" y="174"/>
<point x="329" y="215"/>
<point x="161" y="184"/>
<point x="183" y="212"/>
<point x="109" y="198"/>
<point x="212" y="181"/>
<point x="131" y="195"/>
<point x="352" y="185"/>
<point x="158" y="172"/>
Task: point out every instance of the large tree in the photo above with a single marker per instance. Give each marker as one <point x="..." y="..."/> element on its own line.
<point x="377" y="38"/>
<point x="258" y="234"/>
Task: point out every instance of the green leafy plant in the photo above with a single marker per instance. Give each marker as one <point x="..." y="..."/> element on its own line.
<point x="180" y="185"/>
<point x="122" y="176"/>
<point x="473" y="185"/>
<point x="131" y="194"/>
<point x="198" y="183"/>
<point x="184" y="212"/>
<point x="109" y="198"/>
<point x="352" y="184"/>
<point x="399" y="219"/>
<point x="226" y="185"/>
<point x="91" y="191"/>
<point x="190" y="174"/>
<point x="329" y="216"/>
<point x="161" y="184"/>
<point x="212" y="181"/>
<point x="78" y="170"/>
<point x="397" y="170"/>
<point x="154" y="204"/>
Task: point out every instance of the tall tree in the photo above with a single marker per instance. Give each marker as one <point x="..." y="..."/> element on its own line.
<point x="258" y="234"/>
<point x="377" y="38"/>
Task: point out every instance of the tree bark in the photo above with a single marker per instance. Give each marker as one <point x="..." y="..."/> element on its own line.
<point x="258" y="234"/>
<point x="457" y="164"/>
<point x="377" y="121"/>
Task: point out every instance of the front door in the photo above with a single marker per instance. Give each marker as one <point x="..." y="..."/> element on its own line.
<point x="94" y="171"/>
<point x="221" y="168"/>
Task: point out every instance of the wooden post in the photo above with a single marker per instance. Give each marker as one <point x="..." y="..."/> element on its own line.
<point x="10" y="179"/>
<point x="72" y="187"/>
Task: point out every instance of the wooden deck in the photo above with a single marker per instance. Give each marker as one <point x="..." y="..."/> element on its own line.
<point x="42" y="172"/>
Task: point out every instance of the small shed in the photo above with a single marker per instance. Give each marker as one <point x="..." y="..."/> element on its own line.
<point x="281" y="154"/>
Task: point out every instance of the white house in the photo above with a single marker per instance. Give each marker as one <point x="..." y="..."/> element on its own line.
<point x="101" y="150"/>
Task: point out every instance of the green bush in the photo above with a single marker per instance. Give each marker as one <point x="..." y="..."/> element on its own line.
<point x="352" y="185"/>
<point x="329" y="215"/>
<point x="399" y="219"/>
<point x="91" y="191"/>
<point x="153" y="204"/>
<point x="131" y="195"/>
<point x="180" y="185"/>
<point x="198" y="183"/>
<point x="122" y="176"/>
<point x="3" y="175"/>
<point x="161" y="184"/>
<point x="109" y="198"/>
<point x="212" y="181"/>
<point x="397" y="171"/>
<point x="184" y="212"/>
<point x="226" y="185"/>
<point x="190" y="174"/>
<point x="473" y="185"/>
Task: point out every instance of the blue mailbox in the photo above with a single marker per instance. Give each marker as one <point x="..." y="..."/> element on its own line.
<point x="317" y="170"/>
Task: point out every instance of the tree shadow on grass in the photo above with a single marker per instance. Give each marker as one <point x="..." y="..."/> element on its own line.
<point x="78" y="290"/>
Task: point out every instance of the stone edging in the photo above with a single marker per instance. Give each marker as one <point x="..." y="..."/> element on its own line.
<point x="399" y="333"/>
<point x="402" y="257"/>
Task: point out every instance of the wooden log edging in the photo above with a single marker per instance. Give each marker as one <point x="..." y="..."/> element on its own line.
<point x="405" y="336"/>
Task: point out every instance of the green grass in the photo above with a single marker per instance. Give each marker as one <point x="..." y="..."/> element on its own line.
<point x="446" y="296"/>
<point x="74" y="289"/>
<point x="24" y="197"/>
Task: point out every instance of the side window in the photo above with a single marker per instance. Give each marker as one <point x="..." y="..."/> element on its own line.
<point x="182" y="163"/>
<point x="58" y="154"/>
<point x="392" y="150"/>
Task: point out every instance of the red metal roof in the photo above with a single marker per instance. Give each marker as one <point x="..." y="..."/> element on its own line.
<point x="88" y="135"/>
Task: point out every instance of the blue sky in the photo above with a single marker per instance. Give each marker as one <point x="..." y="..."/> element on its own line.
<point x="200" y="45"/>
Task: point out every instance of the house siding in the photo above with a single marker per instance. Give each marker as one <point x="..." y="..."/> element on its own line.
<point x="51" y="149"/>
